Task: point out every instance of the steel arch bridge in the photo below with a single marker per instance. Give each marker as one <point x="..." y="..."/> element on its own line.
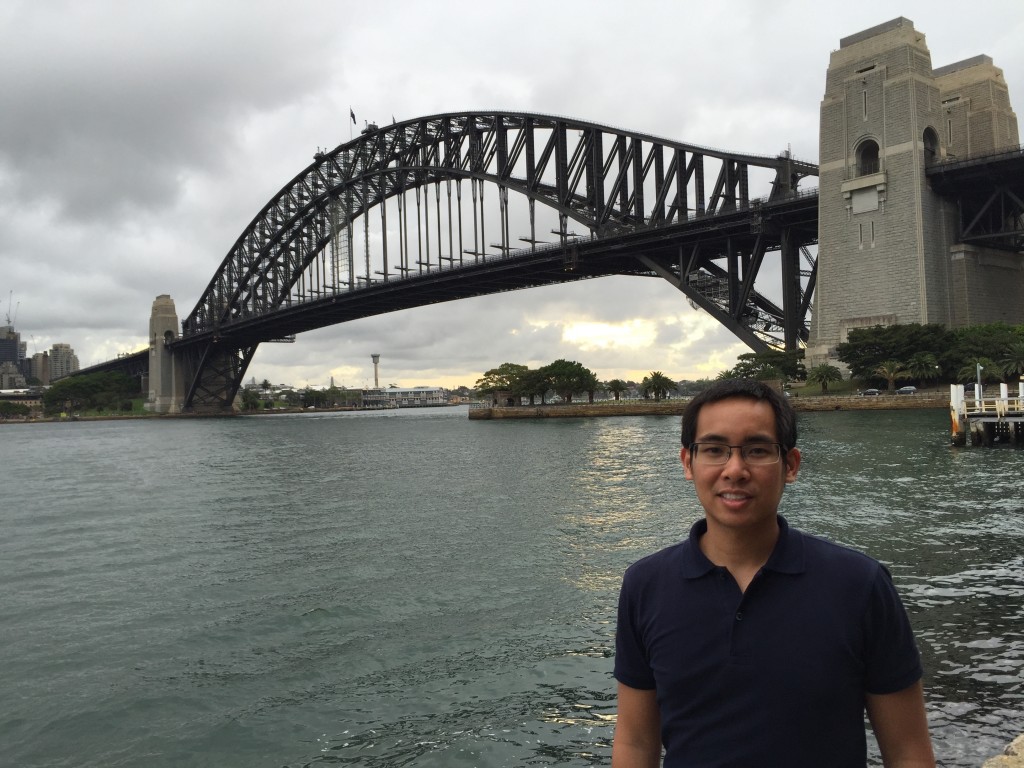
<point x="385" y="222"/>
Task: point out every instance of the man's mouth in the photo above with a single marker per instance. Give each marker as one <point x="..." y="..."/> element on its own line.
<point x="732" y="496"/>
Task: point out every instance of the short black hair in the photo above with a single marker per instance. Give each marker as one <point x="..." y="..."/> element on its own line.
<point x="785" y="417"/>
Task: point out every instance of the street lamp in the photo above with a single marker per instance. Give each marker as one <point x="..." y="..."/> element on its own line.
<point x="980" y="368"/>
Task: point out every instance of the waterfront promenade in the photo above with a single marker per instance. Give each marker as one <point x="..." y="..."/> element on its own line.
<point x="675" y="406"/>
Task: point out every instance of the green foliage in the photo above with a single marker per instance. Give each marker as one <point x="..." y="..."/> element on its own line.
<point x="990" y="341"/>
<point x="616" y="387"/>
<point x="250" y="400"/>
<point x="313" y="398"/>
<point x="868" y="348"/>
<point x="773" y="364"/>
<point x="658" y="384"/>
<point x="90" y="392"/>
<point x="924" y="366"/>
<point x="920" y="348"/>
<point x="689" y="388"/>
<point x="9" y="409"/>
<point x="568" y="377"/>
<point x="968" y="374"/>
<point x="891" y="371"/>
<point x="532" y="384"/>
<point x="1012" y="361"/>
<point x="824" y="374"/>
<point x="506" y="376"/>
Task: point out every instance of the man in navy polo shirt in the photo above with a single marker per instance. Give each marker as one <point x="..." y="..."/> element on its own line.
<point x="750" y="644"/>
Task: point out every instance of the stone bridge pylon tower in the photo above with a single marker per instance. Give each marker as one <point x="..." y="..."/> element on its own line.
<point x="888" y="248"/>
<point x="166" y="380"/>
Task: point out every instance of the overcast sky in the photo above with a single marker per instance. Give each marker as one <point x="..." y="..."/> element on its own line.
<point x="138" y="140"/>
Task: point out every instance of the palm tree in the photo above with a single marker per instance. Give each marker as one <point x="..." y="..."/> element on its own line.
<point x="969" y="373"/>
<point x="891" y="371"/>
<point x="657" y="384"/>
<point x="823" y="374"/>
<point x="616" y="387"/>
<point x="1012" y="361"/>
<point x="923" y="366"/>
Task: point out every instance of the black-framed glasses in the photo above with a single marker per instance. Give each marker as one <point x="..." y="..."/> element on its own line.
<point x="752" y="453"/>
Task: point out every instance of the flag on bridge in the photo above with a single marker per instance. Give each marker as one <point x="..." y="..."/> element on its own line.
<point x="353" y="114"/>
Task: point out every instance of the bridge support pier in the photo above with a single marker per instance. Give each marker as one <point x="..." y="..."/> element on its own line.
<point x="166" y="380"/>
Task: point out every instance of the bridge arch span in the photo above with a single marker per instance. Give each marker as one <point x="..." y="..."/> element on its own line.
<point x="392" y="205"/>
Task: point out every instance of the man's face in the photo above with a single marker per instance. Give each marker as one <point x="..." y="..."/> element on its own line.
<point x="736" y="494"/>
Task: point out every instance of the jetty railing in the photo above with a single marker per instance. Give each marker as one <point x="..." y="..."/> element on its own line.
<point x="986" y="420"/>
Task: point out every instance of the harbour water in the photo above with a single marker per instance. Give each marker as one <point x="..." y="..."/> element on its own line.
<point x="409" y="588"/>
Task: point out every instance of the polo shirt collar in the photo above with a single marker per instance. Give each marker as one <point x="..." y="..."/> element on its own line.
<point x="787" y="557"/>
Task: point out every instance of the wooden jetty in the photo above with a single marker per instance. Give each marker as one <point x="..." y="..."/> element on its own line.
<point x="981" y="420"/>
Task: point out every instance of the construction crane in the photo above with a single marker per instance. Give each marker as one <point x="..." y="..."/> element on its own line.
<point x="10" y="300"/>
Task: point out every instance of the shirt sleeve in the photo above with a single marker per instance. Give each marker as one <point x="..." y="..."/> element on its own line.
<point x="632" y="665"/>
<point x="893" y="661"/>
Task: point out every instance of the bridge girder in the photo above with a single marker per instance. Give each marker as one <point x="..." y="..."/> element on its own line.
<point x="989" y="192"/>
<point x="614" y="183"/>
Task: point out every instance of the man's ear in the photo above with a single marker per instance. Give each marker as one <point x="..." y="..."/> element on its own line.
<point x="792" y="464"/>
<point x="687" y="458"/>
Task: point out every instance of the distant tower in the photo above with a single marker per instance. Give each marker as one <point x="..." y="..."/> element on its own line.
<point x="887" y="250"/>
<point x="376" y="362"/>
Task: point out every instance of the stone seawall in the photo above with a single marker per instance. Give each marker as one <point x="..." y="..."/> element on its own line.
<point x="1013" y="757"/>
<point x="675" y="407"/>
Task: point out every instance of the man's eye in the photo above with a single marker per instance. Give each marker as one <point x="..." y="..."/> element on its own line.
<point x="714" y="450"/>
<point x="759" y="451"/>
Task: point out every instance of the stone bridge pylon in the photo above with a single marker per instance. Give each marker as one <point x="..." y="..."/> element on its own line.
<point x="889" y="247"/>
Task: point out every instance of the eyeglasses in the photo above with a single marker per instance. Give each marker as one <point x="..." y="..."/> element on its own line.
<point x="753" y="453"/>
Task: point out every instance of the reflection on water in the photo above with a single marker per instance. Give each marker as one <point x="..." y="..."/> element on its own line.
<point x="411" y="588"/>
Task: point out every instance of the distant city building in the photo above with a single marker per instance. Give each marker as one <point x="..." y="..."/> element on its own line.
<point x="63" y="361"/>
<point x="12" y="349"/>
<point x="39" y="368"/>
<point x="404" y="397"/>
<point x="11" y="376"/>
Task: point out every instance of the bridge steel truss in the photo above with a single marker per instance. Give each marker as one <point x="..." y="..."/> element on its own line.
<point x="372" y="227"/>
<point x="989" y="190"/>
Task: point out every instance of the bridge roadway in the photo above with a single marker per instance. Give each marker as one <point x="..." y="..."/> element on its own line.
<point x="671" y="252"/>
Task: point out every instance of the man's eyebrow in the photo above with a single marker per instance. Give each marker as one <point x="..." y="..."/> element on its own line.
<point x="758" y="438"/>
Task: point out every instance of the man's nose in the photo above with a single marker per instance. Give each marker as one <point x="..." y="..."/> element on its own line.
<point x="735" y="465"/>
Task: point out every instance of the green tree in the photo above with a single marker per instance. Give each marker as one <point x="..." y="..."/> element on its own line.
<point x="773" y="364"/>
<point x="1012" y="361"/>
<point x="867" y="348"/>
<point x="892" y="371"/>
<point x="250" y="399"/>
<point x="968" y="374"/>
<point x="506" y="376"/>
<point x="313" y="398"/>
<point x="616" y="387"/>
<point x="989" y="340"/>
<point x="591" y="385"/>
<point x="658" y="384"/>
<point x="689" y="388"/>
<point x="568" y="377"/>
<point x="8" y="409"/>
<point x="533" y="383"/>
<point x="90" y="392"/>
<point x="924" y="366"/>
<point x="823" y="374"/>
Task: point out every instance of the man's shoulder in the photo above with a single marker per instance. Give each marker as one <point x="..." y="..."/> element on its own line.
<point x="671" y="558"/>
<point x="820" y="552"/>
